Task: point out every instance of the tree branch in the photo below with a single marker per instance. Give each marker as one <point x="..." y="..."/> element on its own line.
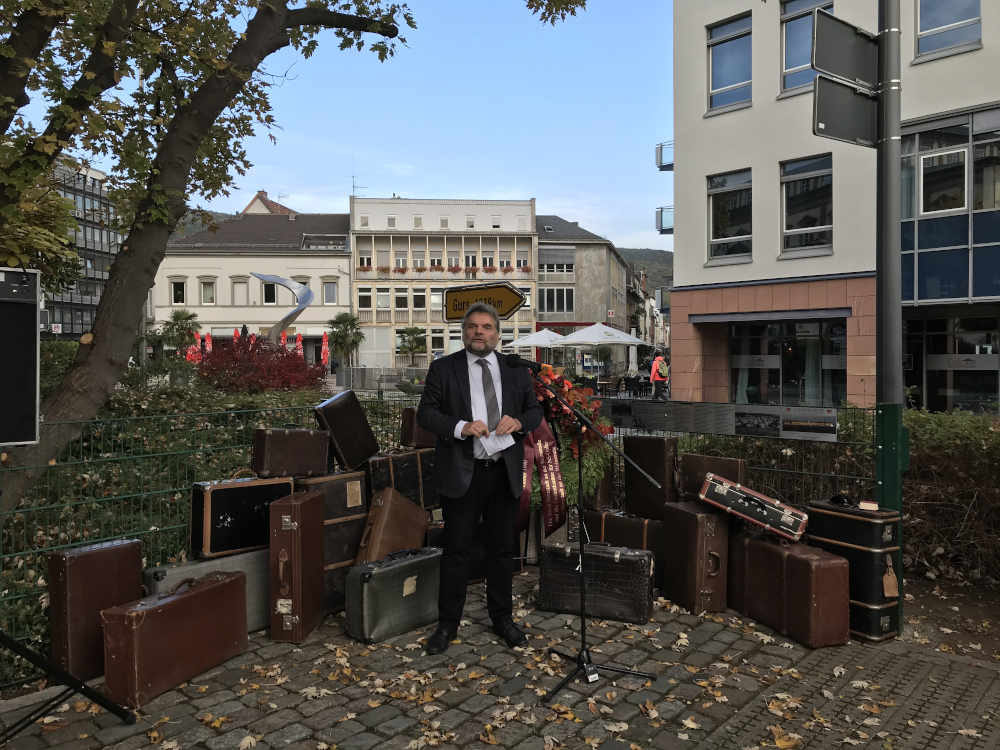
<point x="315" y="16"/>
<point x="27" y="40"/>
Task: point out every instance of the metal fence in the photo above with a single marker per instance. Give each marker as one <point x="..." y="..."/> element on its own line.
<point x="130" y="478"/>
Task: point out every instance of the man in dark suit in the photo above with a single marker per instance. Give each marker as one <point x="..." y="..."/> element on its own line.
<point x="480" y="409"/>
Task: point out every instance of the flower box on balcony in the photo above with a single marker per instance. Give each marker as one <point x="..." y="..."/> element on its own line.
<point x="420" y="269"/>
<point x="364" y="269"/>
<point x="526" y="269"/>
<point x="507" y="269"/>
<point x="490" y="269"/>
<point x="454" y="269"/>
<point x="471" y="269"/>
<point x="384" y="269"/>
<point x="399" y="269"/>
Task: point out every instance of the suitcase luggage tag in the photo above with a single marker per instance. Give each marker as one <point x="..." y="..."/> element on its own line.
<point x="890" y="584"/>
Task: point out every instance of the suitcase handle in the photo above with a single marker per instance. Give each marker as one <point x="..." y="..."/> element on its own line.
<point x="399" y="555"/>
<point x="283" y="571"/>
<point x="175" y="589"/>
<point x="714" y="563"/>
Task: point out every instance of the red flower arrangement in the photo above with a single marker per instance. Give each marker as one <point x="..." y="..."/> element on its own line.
<point x="420" y="269"/>
<point x="526" y="269"/>
<point x="507" y="269"/>
<point x="400" y="269"/>
<point x="471" y="269"/>
<point x="490" y="269"/>
<point x="384" y="269"/>
<point x="561" y="418"/>
<point x="364" y="269"/>
<point x="454" y="269"/>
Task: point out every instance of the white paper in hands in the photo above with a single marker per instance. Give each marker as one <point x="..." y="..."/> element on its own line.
<point x="494" y="443"/>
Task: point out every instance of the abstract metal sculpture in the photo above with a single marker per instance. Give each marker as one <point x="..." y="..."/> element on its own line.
<point x="303" y="296"/>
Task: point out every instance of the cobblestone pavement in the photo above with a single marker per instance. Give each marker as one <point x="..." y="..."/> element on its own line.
<point x="720" y="682"/>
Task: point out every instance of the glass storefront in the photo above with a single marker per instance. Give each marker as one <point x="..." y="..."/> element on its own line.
<point x="953" y="363"/>
<point x="789" y="363"/>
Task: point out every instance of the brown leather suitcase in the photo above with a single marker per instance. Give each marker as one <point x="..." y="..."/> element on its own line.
<point x="351" y="436"/>
<point x="800" y="591"/>
<point x="696" y="547"/>
<point x="290" y="453"/>
<point x="82" y="582"/>
<point x="634" y="532"/>
<point x="656" y="456"/>
<point x="411" y="434"/>
<point x="411" y="473"/>
<point x="736" y="578"/>
<point x="394" y="524"/>
<point x="156" y="643"/>
<point x="344" y="516"/>
<point x="692" y="468"/>
<point x="297" y="604"/>
<point x="230" y="516"/>
<point x="755" y="507"/>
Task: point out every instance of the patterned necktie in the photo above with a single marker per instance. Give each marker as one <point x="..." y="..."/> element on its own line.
<point x="490" y="394"/>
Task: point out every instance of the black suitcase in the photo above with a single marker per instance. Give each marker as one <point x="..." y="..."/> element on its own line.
<point x="392" y="596"/>
<point x="410" y="473"/>
<point x="655" y="456"/>
<point x="619" y="581"/>
<point x="351" y="436"/>
<point x="848" y="523"/>
<point x="230" y="516"/>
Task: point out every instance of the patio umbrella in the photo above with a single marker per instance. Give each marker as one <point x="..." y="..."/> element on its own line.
<point x="542" y="338"/>
<point x="236" y="336"/>
<point x="600" y="335"/>
<point x="326" y="349"/>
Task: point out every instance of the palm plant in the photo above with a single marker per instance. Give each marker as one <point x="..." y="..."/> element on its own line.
<point x="414" y="341"/>
<point x="179" y="331"/>
<point x="345" y="335"/>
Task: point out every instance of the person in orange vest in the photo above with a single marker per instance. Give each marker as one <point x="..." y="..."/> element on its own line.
<point x="659" y="376"/>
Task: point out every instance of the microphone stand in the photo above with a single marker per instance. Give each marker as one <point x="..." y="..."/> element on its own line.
<point x="582" y="658"/>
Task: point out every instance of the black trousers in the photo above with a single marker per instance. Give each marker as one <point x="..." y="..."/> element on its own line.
<point x="489" y="501"/>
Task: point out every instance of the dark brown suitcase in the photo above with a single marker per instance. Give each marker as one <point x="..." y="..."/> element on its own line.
<point x="394" y="524"/>
<point x="297" y="602"/>
<point x="155" y="644"/>
<point x="692" y="468"/>
<point x="736" y="577"/>
<point x="411" y="473"/>
<point x="344" y="517"/>
<point x="411" y="434"/>
<point x="230" y="516"/>
<point x="621" y="530"/>
<point x="290" y="453"/>
<point x="82" y="582"/>
<point x="656" y="456"/>
<point x="800" y="591"/>
<point x="696" y="547"/>
<point x="351" y="435"/>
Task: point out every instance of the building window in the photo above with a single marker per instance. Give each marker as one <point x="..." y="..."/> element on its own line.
<point x="807" y="197"/>
<point x="729" y="63"/>
<point x="401" y="298"/>
<point x="494" y="222"/>
<point x="453" y="261"/>
<point x="401" y="261"/>
<point x="437" y="339"/>
<point x="555" y="300"/>
<point x="505" y="263"/>
<point x="418" y="222"/>
<point x="986" y="176"/>
<point x="270" y="294"/>
<point x="947" y="23"/>
<point x="556" y="267"/>
<point x="521" y="262"/>
<point x="444" y="222"/>
<point x="488" y="261"/>
<point x="435" y="261"/>
<point x="470" y="261"/>
<point x="364" y="261"/>
<point x="942" y="181"/>
<point x="730" y="207"/>
<point x="470" y="222"/>
<point x="796" y="39"/>
<point x="241" y="294"/>
<point x="390" y="221"/>
<point x="176" y="289"/>
<point x="329" y="292"/>
<point x="419" y="298"/>
<point x="363" y="220"/>
<point x="208" y="292"/>
<point x="437" y="295"/>
<point x="382" y="298"/>
<point x="364" y="298"/>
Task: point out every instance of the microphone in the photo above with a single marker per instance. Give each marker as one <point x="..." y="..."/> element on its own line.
<point x="514" y="360"/>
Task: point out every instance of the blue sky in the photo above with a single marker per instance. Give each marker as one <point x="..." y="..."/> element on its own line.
<point x="483" y="102"/>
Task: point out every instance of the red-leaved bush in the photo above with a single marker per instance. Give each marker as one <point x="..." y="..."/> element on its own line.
<point x="252" y="366"/>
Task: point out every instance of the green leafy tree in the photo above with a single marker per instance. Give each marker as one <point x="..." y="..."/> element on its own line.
<point x="413" y="342"/>
<point x="346" y="335"/>
<point x="167" y="91"/>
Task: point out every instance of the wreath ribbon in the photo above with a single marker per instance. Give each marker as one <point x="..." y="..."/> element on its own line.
<point x="542" y="452"/>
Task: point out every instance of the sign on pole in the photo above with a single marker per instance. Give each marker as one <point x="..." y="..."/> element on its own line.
<point x="845" y="112"/>
<point x="504" y="296"/>
<point x="843" y="50"/>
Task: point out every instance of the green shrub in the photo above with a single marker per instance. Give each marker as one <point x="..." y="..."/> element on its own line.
<point x="54" y="359"/>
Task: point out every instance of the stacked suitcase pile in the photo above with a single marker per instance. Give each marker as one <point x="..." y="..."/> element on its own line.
<point x="278" y="551"/>
<point x="713" y="543"/>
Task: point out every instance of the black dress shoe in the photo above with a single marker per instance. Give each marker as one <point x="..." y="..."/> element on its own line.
<point x="512" y="634"/>
<point x="440" y="640"/>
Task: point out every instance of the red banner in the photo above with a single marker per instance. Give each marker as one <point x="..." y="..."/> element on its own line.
<point x="541" y="451"/>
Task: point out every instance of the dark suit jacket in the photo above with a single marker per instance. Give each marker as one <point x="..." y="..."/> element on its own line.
<point x="447" y="399"/>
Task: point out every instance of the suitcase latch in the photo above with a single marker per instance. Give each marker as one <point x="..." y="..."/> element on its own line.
<point x="287" y="524"/>
<point x="288" y="621"/>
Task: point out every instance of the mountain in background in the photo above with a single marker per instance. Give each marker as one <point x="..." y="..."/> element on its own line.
<point x="659" y="265"/>
<point x="192" y="223"/>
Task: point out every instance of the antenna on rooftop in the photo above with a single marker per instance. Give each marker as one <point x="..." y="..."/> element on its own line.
<point x="355" y="186"/>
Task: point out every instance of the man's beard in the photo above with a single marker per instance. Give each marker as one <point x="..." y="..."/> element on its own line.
<point x="487" y="348"/>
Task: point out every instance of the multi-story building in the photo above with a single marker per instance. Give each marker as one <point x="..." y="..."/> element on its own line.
<point x="71" y="313"/>
<point x="406" y="252"/>
<point x="774" y="231"/>
<point x="209" y="273"/>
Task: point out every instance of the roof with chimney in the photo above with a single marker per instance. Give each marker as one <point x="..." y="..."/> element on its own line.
<point x="557" y="229"/>
<point x="261" y="204"/>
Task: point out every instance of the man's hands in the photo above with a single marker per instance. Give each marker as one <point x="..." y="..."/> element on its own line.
<point x="506" y="426"/>
<point x="476" y="429"/>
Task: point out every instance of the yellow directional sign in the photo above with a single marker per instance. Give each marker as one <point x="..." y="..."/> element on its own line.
<point x="504" y="296"/>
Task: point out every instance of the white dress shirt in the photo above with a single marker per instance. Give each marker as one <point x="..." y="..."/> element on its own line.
<point x="479" y="398"/>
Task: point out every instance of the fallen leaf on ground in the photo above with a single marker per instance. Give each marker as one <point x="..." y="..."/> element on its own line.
<point x="690" y="723"/>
